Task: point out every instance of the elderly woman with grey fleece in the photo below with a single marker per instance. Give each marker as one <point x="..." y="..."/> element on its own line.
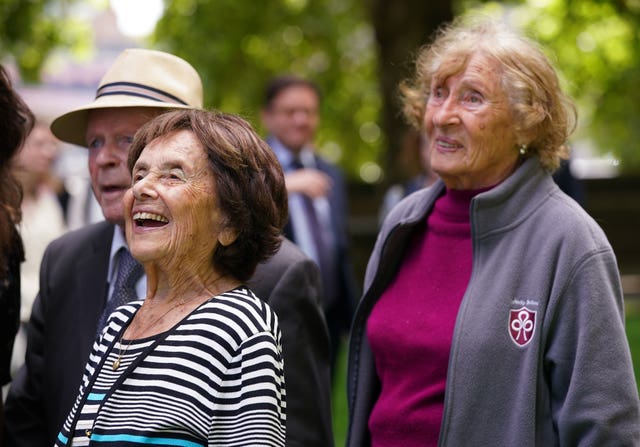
<point x="492" y="312"/>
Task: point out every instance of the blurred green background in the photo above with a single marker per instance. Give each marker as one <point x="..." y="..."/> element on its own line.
<point x="358" y="51"/>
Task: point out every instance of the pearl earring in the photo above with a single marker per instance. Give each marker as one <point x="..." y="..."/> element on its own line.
<point x="523" y="149"/>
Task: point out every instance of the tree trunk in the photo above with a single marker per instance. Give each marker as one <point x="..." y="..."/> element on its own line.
<point x="401" y="28"/>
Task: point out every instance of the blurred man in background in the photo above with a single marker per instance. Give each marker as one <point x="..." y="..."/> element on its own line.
<point x="317" y="196"/>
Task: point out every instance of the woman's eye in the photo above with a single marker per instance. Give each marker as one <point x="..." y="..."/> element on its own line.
<point x="474" y="98"/>
<point x="437" y="95"/>
<point x="175" y="175"/>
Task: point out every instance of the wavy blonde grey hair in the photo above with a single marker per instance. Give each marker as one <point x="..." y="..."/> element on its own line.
<point x="544" y="116"/>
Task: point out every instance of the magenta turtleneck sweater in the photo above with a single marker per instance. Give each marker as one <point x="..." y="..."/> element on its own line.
<point x="411" y="326"/>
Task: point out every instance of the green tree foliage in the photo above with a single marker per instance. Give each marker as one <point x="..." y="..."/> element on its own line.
<point x="238" y="46"/>
<point x="31" y="29"/>
<point x="593" y="42"/>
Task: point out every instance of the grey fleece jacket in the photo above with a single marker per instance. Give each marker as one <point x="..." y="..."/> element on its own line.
<point x="539" y="354"/>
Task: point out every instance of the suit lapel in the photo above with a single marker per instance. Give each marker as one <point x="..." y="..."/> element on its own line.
<point x="91" y="296"/>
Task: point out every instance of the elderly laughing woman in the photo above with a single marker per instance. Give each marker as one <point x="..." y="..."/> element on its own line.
<point x="199" y="361"/>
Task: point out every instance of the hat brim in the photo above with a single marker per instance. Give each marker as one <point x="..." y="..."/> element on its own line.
<point x="72" y="126"/>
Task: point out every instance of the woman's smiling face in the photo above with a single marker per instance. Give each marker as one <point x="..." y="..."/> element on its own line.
<point x="470" y="127"/>
<point x="171" y="210"/>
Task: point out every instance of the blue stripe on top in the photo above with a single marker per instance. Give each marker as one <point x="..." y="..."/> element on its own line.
<point x="143" y="440"/>
<point x="96" y="396"/>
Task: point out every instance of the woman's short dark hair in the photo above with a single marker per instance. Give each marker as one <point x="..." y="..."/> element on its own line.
<point x="249" y="183"/>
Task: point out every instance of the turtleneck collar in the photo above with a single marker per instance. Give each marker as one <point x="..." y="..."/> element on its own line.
<point x="453" y="204"/>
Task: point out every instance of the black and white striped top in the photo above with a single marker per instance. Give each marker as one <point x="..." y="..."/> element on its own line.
<point x="216" y="378"/>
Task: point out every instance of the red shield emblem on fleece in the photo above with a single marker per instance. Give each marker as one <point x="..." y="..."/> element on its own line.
<point x="522" y="325"/>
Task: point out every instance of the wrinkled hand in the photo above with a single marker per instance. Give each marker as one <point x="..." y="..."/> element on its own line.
<point x="310" y="182"/>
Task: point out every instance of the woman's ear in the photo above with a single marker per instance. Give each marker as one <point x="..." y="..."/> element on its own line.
<point x="227" y="237"/>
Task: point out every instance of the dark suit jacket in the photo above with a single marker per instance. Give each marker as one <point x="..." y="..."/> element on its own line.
<point x="73" y="292"/>
<point x="342" y="305"/>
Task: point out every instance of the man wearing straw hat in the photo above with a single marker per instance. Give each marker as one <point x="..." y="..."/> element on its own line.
<point x="86" y="273"/>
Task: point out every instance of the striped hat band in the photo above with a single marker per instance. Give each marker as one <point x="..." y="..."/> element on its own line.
<point x="138" y="90"/>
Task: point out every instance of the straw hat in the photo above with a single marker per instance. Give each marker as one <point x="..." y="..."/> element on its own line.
<point x="137" y="78"/>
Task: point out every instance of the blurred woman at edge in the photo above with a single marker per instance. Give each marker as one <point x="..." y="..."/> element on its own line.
<point x="16" y="121"/>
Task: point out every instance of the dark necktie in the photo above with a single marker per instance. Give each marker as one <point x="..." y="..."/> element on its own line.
<point x="325" y="263"/>
<point x="124" y="288"/>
